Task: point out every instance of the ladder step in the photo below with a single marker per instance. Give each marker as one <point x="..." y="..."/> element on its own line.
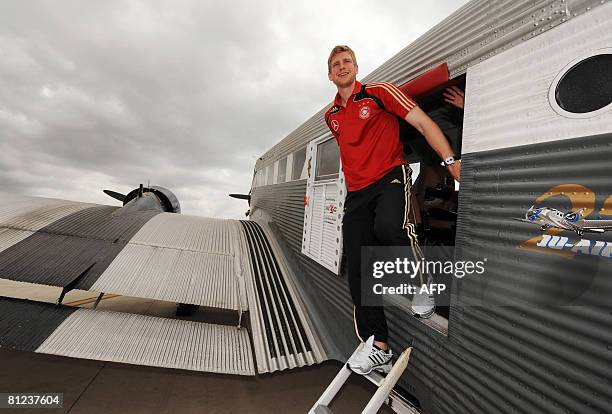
<point x="375" y="378"/>
<point x="385" y="386"/>
<point x="389" y="382"/>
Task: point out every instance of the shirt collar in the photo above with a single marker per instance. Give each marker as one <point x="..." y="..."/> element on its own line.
<point x="356" y="90"/>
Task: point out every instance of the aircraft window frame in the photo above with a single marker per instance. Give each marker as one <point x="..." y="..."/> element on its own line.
<point x="296" y="171"/>
<point x="561" y="76"/>
<point x="260" y="177"/>
<point x="275" y="172"/>
<point x="289" y="169"/>
<point x="256" y="181"/>
<point x="283" y="170"/>
<point x="281" y="175"/>
<point x="323" y="162"/>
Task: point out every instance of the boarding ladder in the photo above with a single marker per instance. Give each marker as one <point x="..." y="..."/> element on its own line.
<point x="385" y="387"/>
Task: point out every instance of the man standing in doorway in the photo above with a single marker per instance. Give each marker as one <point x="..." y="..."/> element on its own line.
<point x="363" y="119"/>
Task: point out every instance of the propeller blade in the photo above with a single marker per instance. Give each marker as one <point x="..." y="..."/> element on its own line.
<point x="241" y="196"/>
<point x="115" y="195"/>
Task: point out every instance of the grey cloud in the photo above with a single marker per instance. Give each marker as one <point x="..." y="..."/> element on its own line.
<point x="100" y="95"/>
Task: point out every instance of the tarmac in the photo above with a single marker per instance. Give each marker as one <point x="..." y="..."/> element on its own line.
<point x="90" y="386"/>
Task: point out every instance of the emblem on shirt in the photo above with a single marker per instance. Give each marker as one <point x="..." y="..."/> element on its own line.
<point x="335" y="125"/>
<point x="334" y="109"/>
<point x="364" y="112"/>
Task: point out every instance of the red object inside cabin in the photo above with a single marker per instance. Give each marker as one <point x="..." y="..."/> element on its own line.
<point x="427" y="82"/>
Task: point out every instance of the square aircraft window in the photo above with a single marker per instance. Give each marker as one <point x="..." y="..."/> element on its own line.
<point x="328" y="160"/>
<point x="282" y="171"/>
<point x="298" y="163"/>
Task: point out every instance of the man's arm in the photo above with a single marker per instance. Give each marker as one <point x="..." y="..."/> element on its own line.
<point x="434" y="136"/>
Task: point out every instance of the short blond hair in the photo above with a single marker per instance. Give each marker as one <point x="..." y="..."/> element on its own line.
<point x="340" y="49"/>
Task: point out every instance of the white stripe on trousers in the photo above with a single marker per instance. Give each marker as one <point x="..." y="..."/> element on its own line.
<point x="410" y="230"/>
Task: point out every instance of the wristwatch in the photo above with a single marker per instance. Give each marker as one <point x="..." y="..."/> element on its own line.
<point x="448" y="161"/>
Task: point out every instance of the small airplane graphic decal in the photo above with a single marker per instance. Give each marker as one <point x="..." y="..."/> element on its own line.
<point x="547" y="217"/>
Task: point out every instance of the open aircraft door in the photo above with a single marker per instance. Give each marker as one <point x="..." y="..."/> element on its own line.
<point x="324" y="203"/>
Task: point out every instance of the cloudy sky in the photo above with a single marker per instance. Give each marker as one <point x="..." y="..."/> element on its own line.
<point x="184" y="94"/>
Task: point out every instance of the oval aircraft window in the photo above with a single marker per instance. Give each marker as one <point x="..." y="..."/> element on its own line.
<point x="584" y="87"/>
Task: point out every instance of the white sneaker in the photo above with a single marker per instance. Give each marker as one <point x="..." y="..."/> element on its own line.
<point x="423" y="305"/>
<point x="369" y="357"/>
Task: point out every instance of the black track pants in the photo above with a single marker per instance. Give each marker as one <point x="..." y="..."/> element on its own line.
<point x="376" y="215"/>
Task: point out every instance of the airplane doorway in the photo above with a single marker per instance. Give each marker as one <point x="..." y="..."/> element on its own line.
<point x="435" y="193"/>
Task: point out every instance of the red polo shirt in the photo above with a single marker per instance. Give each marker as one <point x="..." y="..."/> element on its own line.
<point x="368" y="136"/>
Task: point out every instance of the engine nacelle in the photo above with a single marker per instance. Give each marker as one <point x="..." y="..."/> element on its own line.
<point x="167" y="200"/>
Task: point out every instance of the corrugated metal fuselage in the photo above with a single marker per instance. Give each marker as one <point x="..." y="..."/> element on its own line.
<point x="536" y="334"/>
